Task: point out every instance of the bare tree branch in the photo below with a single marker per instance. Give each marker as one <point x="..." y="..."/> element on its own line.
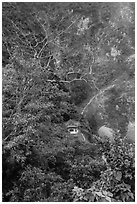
<point x="100" y="92"/>
<point x="5" y="42"/>
<point x="48" y="62"/>
<point x="17" y="28"/>
<point x="42" y="25"/>
<point x="40" y="52"/>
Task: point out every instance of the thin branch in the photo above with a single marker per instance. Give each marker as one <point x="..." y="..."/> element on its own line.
<point x="8" y="49"/>
<point x="53" y="80"/>
<point x="35" y="55"/>
<point x="107" y="88"/>
<point x="90" y="69"/>
<point x="95" y="85"/>
<point x="56" y="44"/>
<point x="40" y="52"/>
<point x="47" y="56"/>
<point x="40" y="41"/>
<point x="17" y="28"/>
<point x="68" y="27"/>
<point x="48" y="62"/>
<point x="42" y="25"/>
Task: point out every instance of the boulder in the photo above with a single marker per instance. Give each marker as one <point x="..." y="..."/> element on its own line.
<point x="130" y="136"/>
<point x="106" y="133"/>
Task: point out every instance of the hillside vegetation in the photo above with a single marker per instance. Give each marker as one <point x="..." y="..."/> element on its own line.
<point x="63" y="61"/>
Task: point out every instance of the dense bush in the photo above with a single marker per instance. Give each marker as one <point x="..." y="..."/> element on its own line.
<point x="72" y="174"/>
<point x="117" y="181"/>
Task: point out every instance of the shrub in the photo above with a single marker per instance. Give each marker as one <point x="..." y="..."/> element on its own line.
<point x="117" y="182"/>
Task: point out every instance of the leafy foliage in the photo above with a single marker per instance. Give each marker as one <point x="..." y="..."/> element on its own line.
<point x="65" y="61"/>
<point x="117" y="182"/>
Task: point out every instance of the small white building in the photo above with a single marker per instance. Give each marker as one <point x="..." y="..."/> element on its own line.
<point x="73" y="127"/>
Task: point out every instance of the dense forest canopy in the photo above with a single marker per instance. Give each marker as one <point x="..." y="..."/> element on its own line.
<point x="66" y="61"/>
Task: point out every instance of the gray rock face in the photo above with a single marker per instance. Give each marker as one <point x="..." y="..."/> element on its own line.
<point x="130" y="136"/>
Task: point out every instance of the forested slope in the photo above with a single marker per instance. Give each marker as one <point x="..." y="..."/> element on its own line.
<point x="63" y="61"/>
